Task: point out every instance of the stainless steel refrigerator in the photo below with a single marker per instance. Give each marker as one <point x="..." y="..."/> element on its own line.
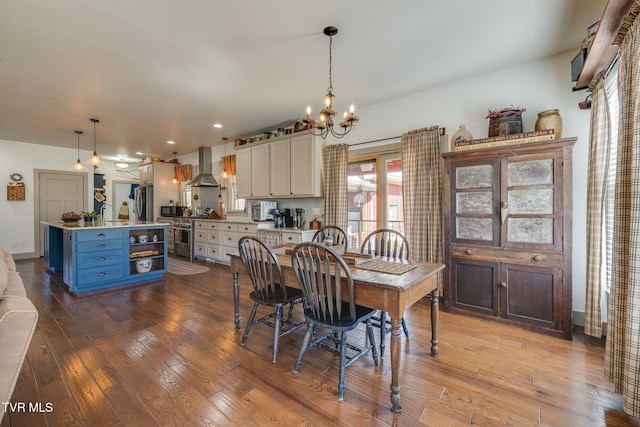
<point x="144" y="203"/>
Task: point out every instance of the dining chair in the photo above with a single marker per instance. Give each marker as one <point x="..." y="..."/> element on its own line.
<point x="325" y="279"/>
<point x="388" y="243"/>
<point x="333" y="233"/>
<point x="269" y="289"/>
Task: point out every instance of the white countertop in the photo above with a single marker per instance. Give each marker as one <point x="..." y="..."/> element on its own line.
<point x="80" y="225"/>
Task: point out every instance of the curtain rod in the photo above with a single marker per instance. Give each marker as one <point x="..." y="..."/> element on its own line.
<point x="442" y="130"/>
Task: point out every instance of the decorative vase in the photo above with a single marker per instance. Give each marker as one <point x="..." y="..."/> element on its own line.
<point x="506" y="125"/>
<point x="550" y="119"/>
<point x="462" y="134"/>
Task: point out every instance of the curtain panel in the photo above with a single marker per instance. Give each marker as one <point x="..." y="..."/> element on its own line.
<point x="422" y="178"/>
<point x="622" y="352"/>
<point x="336" y="207"/>
<point x="598" y="176"/>
<point x="183" y="172"/>
<point x="229" y="164"/>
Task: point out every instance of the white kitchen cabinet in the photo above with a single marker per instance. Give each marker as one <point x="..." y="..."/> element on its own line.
<point x="260" y="171"/>
<point x="214" y="239"/>
<point x="243" y="173"/>
<point x="280" y="168"/>
<point x="285" y="167"/>
<point x="306" y="166"/>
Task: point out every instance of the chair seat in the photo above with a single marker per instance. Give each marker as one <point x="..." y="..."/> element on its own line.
<point x="343" y="322"/>
<point x="277" y="298"/>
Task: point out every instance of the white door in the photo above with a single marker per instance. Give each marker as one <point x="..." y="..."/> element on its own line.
<point x="59" y="192"/>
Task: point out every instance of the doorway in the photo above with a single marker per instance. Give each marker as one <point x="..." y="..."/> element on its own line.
<point x="374" y="196"/>
<point x="56" y="192"/>
<point x="122" y="200"/>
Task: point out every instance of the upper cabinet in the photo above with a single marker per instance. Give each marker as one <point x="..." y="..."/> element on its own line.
<point x="287" y="167"/>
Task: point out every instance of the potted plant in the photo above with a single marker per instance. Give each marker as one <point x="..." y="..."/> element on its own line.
<point x="88" y="215"/>
<point x="505" y="121"/>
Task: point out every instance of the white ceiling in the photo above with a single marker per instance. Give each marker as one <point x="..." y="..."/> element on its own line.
<point x="153" y="71"/>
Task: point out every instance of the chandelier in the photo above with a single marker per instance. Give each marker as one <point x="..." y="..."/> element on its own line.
<point x="325" y="125"/>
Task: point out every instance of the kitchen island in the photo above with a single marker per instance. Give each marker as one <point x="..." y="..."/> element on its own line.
<point x="114" y="253"/>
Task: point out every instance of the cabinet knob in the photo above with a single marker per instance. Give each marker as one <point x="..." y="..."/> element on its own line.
<point x="101" y="245"/>
<point x="290" y="238"/>
<point x="537" y="258"/>
<point x="102" y="273"/>
<point x="101" y="258"/>
<point x="503" y="284"/>
<point x="100" y="234"/>
<point x="467" y="251"/>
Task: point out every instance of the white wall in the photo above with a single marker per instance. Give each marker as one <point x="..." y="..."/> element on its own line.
<point x="18" y="217"/>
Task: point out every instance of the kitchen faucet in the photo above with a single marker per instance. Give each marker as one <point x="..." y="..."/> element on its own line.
<point x="104" y="205"/>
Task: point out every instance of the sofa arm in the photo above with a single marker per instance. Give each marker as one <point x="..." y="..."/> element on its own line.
<point x="18" y="319"/>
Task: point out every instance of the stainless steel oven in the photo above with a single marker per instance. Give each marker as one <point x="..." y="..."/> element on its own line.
<point x="183" y="237"/>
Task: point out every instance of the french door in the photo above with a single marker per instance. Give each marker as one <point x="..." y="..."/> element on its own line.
<point x="374" y="195"/>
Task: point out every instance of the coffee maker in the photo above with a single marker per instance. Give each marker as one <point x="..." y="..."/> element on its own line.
<point x="288" y="217"/>
<point x="299" y="220"/>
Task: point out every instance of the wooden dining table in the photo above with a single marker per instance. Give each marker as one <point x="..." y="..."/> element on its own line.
<point x="389" y="292"/>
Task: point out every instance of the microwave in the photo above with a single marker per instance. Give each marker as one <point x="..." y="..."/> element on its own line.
<point x="171" y="211"/>
<point x="260" y="210"/>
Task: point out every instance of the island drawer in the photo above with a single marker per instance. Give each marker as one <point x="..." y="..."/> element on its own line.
<point x="229" y="226"/>
<point x="99" y="245"/>
<point x="98" y="234"/>
<point x="91" y="276"/>
<point x="245" y="229"/>
<point x="93" y="259"/>
<point x="213" y="237"/>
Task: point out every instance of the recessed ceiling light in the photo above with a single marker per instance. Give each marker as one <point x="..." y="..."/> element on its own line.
<point x="171" y="142"/>
<point x="139" y="153"/>
<point x="217" y="125"/>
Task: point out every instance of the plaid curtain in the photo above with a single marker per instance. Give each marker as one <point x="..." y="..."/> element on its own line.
<point x="183" y="172"/>
<point x="598" y="176"/>
<point x="336" y="207"/>
<point x="422" y="179"/>
<point x="229" y="164"/>
<point x="622" y="353"/>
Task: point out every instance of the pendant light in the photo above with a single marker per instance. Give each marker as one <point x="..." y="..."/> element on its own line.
<point x="224" y="174"/>
<point x="94" y="160"/>
<point x="79" y="167"/>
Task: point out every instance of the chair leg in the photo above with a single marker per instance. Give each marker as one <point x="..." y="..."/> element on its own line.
<point x="372" y="339"/>
<point x="404" y="328"/>
<point x="249" y="323"/>
<point x="290" y="310"/>
<point x="276" y="333"/>
<point x="343" y="362"/>
<point x="303" y="348"/>
<point x="383" y="331"/>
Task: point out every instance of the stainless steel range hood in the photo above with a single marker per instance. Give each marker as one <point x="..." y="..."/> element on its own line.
<point x="204" y="177"/>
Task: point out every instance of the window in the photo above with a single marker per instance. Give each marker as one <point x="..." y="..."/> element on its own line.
<point x="374" y="195"/>
<point x="234" y="202"/>
<point x="611" y="89"/>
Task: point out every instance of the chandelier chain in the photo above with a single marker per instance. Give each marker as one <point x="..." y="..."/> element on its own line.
<point x="330" y="89"/>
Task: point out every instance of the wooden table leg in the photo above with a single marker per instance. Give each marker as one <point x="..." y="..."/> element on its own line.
<point x="396" y="332"/>
<point x="236" y="299"/>
<point x="435" y="319"/>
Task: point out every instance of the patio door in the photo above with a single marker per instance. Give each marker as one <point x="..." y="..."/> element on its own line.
<point x="374" y="195"/>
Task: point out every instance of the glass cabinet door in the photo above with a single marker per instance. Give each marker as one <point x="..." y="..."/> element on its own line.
<point x="528" y="207"/>
<point x="475" y="202"/>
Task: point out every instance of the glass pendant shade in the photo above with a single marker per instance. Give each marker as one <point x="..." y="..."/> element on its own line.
<point x="94" y="160"/>
<point x="78" y="167"/>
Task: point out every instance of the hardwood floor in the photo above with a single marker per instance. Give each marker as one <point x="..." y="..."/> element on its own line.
<point x="166" y="353"/>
